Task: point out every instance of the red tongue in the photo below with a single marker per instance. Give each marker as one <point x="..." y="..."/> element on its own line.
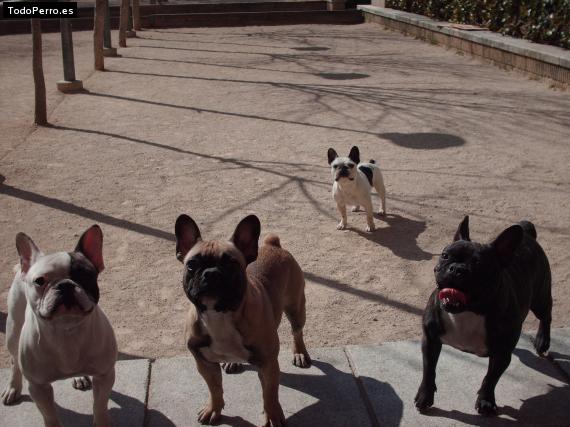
<point x="452" y="295"/>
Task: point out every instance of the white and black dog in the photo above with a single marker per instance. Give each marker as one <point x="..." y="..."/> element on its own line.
<point x="352" y="184"/>
<point x="55" y="328"/>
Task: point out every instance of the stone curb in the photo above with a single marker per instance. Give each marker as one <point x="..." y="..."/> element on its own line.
<point x="545" y="53"/>
<point x="364" y="384"/>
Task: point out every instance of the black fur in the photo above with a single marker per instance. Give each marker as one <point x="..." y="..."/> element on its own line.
<point x="331" y="155"/>
<point x="354" y="155"/>
<point x="528" y="228"/>
<point x="367" y="171"/>
<point x="84" y="273"/>
<point x="222" y="279"/>
<point x="503" y="280"/>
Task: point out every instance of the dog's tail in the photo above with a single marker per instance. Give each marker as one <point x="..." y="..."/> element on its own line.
<point x="372" y="161"/>
<point x="272" y="240"/>
<point x="528" y="228"/>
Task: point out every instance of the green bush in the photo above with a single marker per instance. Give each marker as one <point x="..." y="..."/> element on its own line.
<point x="542" y="21"/>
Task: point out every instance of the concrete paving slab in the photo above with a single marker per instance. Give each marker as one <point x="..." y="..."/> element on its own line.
<point x="325" y="395"/>
<point x="560" y="348"/>
<point x="127" y="403"/>
<point x="532" y="391"/>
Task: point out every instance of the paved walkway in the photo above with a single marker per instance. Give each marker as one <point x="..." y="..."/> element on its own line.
<point x="351" y="386"/>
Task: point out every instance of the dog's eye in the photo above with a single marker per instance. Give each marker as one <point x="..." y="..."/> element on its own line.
<point x="40" y="281"/>
<point x="228" y="259"/>
<point x="335" y="166"/>
<point x="444" y="255"/>
<point x="192" y="266"/>
<point x="351" y="166"/>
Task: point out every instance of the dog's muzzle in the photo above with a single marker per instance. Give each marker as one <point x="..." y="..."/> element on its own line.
<point x="65" y="297"/>
<point x="343" y="172"/>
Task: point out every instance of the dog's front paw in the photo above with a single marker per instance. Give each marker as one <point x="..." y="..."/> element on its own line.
<point x="11" y="395"/>
<point x="370" y="228"/>
<point x="302" y="360"/>
<point x="232" y="368"/>
<point x="210" y="414"/>
<point x="275" y="419"/>
<point x="424" y="399"/>
<point x="382" y="212"/>
<point x="81" y="383"/>
<point x="341" y="225"/>
<point x="355" y="208"/>
<point x="541" y="343"/>
<point x="486" y="406"/>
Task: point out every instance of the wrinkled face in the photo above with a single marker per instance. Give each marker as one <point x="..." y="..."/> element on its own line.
<point x="469" y="268"/>
<point x="214" y="276"/>
<point x="343" y="168"/>
<point x="62" y="286"/>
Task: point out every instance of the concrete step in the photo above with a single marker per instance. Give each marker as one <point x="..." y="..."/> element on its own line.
<point x="217" y="7"/>
<point x="358" y="385"/>
<point x="207" y="15"/>
<point x="238" y="19"/>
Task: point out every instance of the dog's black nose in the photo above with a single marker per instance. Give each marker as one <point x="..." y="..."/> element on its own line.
<point x="211" y="275"/>
<point x="65" y="286"/>
<point x="66" y="289"/>
<point x="457" y="270"/>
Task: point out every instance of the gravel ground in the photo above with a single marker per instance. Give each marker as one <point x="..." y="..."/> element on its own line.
<point x="220" y="123"/>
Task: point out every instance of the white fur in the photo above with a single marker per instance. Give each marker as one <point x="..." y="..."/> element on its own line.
<point x="47" y="350"/>
<point x="227" y="343"/>
<point x="466" y="332"/>
<point x="356" y="192"/>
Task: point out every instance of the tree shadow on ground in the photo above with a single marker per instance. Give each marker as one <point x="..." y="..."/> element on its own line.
<point x="71" y="208"/>
<point x="424" y="141"/>
<point x="131" y="412"/>
<point x="127" y="356"/>
<point x="342" y="76"/>
<point x="311" y="48"/>
<point x="370" y="296"/>
<point x="550" y="408"/>
<point x="332" y="389"/>
<point x="400" y="237"/>
<point x="562" y="360"/>
<point x="292" y="173"/>
<point x="3" y="317"/>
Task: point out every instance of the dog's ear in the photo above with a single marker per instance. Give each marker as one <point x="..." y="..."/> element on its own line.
<point x="462" y="232"/>
<point x="90" y="244"/>
<point x="187" y="235"/>
<point x="354" y="155"/>
<point x="331" y="155"/>
<point x="28" y="251"/>
<point x="246" y="237"/>
<point x="507" y="243"/>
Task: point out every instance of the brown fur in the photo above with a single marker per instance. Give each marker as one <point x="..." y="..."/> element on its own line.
<point x="275" y="285"/>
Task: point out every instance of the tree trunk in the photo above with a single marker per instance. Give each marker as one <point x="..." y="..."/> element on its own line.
<point x="136" y="15"/>
<point x="124" y="22"/>
<point x="39" y="82"/>
<point x="98" y="28"/>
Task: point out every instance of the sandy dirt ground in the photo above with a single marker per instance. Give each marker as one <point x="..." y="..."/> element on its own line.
<point x="221" y="123"/>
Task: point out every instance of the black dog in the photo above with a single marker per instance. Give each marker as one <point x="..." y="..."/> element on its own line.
<point x="483" y="295"/>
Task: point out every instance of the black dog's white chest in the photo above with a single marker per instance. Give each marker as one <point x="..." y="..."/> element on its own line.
<point x="466" y="332"/>
<point x="226" y="343"/>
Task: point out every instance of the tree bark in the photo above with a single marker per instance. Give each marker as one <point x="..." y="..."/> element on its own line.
<point x="98" y="28"/>
<point x="136" y="15"/>
<point x="124" y="22"/>
<point x="39" y="82"/>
